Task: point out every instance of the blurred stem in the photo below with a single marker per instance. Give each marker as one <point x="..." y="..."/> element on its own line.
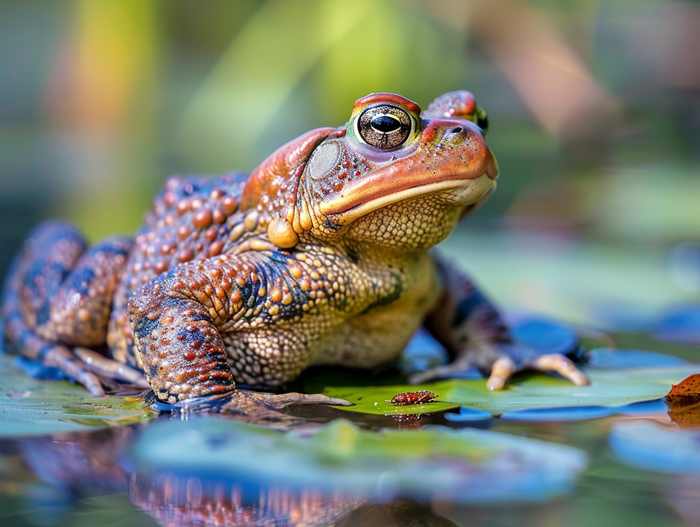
<point x="268" y="59"/>
<point x="100" y="102"/>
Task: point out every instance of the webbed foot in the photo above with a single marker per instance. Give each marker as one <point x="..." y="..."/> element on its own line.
<point x="500" y="361"/>
<point x="285" y="400"/>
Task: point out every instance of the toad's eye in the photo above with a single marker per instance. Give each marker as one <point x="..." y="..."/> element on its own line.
<point x="384" y="126"/>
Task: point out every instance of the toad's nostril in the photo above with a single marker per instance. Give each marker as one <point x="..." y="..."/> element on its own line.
<point x="454" y="133"/>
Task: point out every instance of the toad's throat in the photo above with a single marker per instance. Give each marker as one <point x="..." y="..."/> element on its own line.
<point x="367" y="198"/>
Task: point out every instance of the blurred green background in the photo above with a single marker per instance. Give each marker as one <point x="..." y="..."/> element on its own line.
<point x="594" y="112"/>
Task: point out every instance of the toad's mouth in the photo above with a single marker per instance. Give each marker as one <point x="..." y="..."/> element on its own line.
<point x="374" y="192"/>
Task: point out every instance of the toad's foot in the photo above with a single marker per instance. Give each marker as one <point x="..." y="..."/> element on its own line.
<point x="83" y="365"/>
<point x="252" y="407"/>
<point x="109" y="368"/>
<point x="49" y="354"/>
<point x="501" y="361"/>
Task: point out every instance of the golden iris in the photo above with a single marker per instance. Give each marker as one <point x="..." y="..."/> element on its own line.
<point x="384" y="126"/>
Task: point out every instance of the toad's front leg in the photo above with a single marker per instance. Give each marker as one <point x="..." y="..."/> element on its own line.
<point x="177" y="319"/>
<point x="475" y="335"/>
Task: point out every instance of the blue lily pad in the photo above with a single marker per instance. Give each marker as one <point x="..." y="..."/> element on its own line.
<point x="577" y="413"/>
<point x="545" y="335"/>
<point x="680" y="326"/>
<point x="648" y="445"/>
<point x="566" y="413"/>
<point x="645" y="408"/>
<point x="422" y="352"/>
<point x="620" y="359"/>
<point x="468" y="414"/>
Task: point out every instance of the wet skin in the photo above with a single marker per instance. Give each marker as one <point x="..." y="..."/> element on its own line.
<point x="320" y="256"/>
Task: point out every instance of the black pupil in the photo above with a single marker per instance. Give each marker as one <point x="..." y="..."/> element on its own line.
<point x="385" y="124"/>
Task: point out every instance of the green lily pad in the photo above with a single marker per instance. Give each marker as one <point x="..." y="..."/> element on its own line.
<point x="35" y="407"/>
<point x="465" y="465"/>
<point x="530" y="390"/>
<point x="377" y="399"/>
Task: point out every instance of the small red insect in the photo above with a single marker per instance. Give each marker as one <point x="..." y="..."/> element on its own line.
<point x="402" y="399"/>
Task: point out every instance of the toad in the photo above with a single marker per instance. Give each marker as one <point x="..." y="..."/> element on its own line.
<point x="322" y="256"/>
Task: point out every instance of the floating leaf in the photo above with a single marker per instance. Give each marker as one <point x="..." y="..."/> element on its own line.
<point x="648" y="445"/>
<point x="377" y="399"/>
<point x="528" y="390"/>
<point x="464" y="465"/>
<point x="688" y="388"/>
<point x="684" y="402"/>
<point x="35" y="407"/>
<point x="618" y="378"/>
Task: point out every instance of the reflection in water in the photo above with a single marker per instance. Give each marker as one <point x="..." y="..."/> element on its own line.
<point x="186" y="501"/>
<point x="174" y="500"/>
<point x="683" y="402"/>
<point x="84" y="465"/>
<point x="685" y="415"/>
<point x="404" y="513"/>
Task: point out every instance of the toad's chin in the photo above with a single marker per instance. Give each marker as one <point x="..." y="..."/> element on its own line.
<point x="469" y="193"/>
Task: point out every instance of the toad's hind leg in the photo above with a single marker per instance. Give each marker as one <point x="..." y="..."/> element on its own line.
<point x="58" y="295"/>
<point x="475" y="335"/>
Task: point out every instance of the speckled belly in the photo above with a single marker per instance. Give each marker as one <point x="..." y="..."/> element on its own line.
<point x="370" y="340"/>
